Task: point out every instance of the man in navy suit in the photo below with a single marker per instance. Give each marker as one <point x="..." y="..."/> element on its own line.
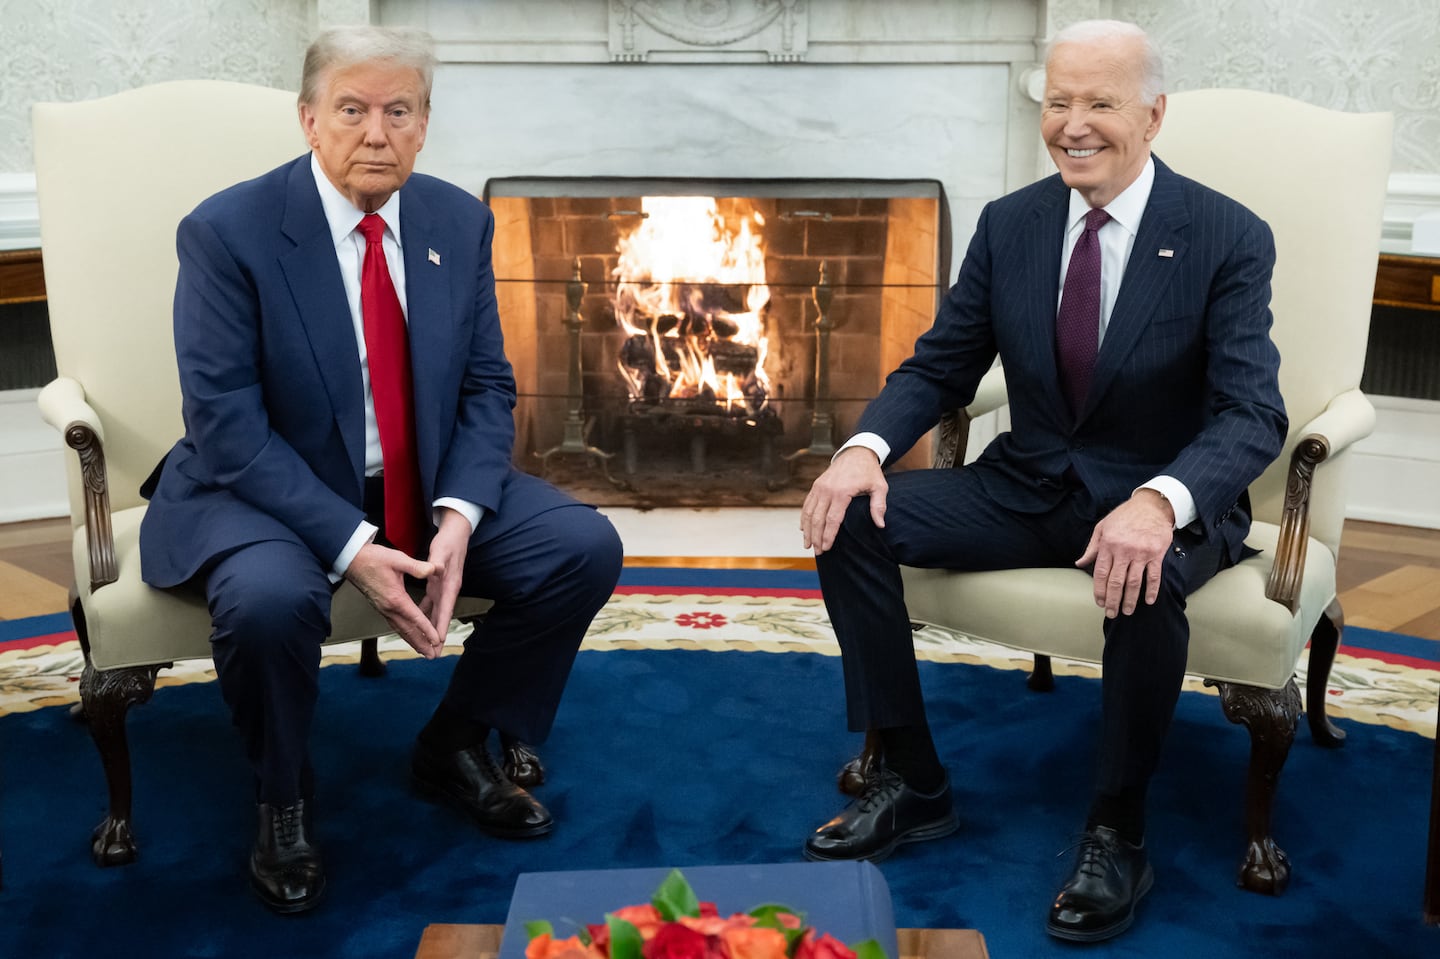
<point x="278" y="489"/>
<point x="1131" y="462"/>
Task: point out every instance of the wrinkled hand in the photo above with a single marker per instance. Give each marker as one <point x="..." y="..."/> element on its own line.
<point x="379" y="573"/>
<point x="447" y="556"/>
<point x="1128" y="547"/>
<point x="852" y="473"/>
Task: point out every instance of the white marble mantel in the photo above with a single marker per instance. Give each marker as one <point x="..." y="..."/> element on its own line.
<point x="734" y="89"/>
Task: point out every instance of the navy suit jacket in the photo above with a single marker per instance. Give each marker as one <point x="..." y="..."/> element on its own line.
<point x="1185" y="382"/>
<point x="274" y="444"/>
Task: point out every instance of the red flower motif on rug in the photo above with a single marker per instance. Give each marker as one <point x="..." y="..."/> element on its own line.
<point x="700" y="620"/>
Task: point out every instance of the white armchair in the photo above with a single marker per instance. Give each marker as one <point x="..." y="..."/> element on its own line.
<point x="1318" y="177"/>
<point x="114" y="177"/>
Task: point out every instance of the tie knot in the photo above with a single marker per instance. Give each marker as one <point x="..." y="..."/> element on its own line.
<point x="1094" y="220"/>
<point x="372" y="227"/>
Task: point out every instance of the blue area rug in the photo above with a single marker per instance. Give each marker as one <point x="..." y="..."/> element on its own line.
<point x="676" y="758"/>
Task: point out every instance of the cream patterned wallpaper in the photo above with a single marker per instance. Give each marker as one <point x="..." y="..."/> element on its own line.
<point x="79" y="49"/>
<point x="1361" y="56"/>
<point x="1370" y="55"/>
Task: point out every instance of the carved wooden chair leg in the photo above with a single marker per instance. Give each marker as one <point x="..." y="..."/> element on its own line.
<point x="370" y="662"/>
<point x="1271" y="715"/>
<point x="851" y="780"/>
<point x="1041" y="679"/>
<point x="108" y="696"/>
<point x="521" y="762"/>
<point x="1324" y="641"/>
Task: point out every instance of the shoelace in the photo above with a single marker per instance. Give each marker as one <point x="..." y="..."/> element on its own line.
<point x="287" y="827"/>
<point x="1096" y="856"/>
<point x="880" y="786"/>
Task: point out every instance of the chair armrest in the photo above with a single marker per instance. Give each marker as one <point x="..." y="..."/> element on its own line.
<point x="954" y="426"/>
<point x="1347" y="419"/>
<point x="62" y="405"/>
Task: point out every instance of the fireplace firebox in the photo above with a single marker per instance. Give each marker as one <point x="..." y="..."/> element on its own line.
<point x="706" y="343"/>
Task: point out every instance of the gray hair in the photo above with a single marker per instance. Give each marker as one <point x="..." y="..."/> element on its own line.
<point x="340" y="47"/>
<point x="1152" y="77"/>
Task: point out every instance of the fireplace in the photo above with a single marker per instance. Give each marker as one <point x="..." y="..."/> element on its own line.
<point x="687" y="342"/>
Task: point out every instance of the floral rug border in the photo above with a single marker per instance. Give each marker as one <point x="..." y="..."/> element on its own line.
<point x="1363" y="689"/>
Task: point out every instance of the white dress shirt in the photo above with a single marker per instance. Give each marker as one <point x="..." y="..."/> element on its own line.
<point x="1117" y="238"/>
<point x="343" y="218"/>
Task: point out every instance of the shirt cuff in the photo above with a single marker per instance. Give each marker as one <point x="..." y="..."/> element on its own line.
<point x="1179" y="496"/>
<point x="473" y="513"/>
<point x="871" y="442"/>
<point x="364" y="535"/>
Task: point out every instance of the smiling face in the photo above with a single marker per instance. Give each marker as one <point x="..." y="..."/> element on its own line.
<point x="1094" y="122"/>
<point x="366" y="126"/>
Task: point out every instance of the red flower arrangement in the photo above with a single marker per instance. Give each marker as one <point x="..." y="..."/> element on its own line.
<point x="676" y="925"/>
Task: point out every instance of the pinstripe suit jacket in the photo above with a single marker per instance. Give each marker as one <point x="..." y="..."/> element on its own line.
<point x="1185" y="382"/>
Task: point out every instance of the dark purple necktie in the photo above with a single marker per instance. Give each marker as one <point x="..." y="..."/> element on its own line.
<point x="1077" y="326"/>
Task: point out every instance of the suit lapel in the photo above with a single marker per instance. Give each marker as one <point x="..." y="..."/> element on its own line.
<point x="1149" y="271"/>
<point x="313" y="274"/>
<point x="430" y="320"/>
<point x="1040" y="253"/>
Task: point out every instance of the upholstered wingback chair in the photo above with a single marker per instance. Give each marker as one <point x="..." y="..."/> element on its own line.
<point x="114" y="177"/>
<point x="1318" y="177"/>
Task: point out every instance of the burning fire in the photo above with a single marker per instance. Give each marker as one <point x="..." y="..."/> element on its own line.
<point x="682" y="275"/>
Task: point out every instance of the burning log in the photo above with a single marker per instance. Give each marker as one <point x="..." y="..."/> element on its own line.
<point x="738" y="359"/>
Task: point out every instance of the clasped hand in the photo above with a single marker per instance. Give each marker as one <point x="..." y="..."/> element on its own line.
<point x="379" y="573"/>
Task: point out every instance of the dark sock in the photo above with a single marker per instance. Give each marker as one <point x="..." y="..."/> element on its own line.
<point x="449" y="731"/>
<point x="910" y="752"/>
<point x="1123" y="812"/>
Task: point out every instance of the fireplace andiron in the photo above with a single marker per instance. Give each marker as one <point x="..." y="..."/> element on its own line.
<point x="573" y="440"/>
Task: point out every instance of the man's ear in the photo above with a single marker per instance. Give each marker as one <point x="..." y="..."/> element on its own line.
<point x="1157" y="116"/>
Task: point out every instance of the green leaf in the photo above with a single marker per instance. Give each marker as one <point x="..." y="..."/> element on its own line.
<point x="768" y="915"/>
<point x="674" y="898"/>
<point x="625" y="941"/>
<point x="868" y="949"/>
<point x="538" y="927"/>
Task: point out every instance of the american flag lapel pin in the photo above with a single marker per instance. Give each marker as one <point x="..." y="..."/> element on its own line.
<point x="434" y="257"/>
<point x="1163" y="252"/>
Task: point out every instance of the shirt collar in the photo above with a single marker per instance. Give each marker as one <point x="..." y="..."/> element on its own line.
<point x="1126" y="209"/>
<point x="342" y="216"/>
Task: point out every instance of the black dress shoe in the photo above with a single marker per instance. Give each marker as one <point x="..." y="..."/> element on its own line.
<point x="285" y="868"/>
<point x="522" y="763"/>
<point x="886" y="814"/>
<point x="1098" y="900"/>
<point x="471" y="780"/>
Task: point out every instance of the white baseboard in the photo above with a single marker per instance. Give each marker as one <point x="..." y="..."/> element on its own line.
<point x="32" y="461"/>
<point x="1395" y="471"/>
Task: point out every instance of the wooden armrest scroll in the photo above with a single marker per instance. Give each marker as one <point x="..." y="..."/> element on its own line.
<point x="1289" y="566"/>
<point x="954" y="428"/>
<point x="99" y="535"/>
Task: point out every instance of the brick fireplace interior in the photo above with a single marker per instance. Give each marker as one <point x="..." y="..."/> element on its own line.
<point x="754" y="439"/>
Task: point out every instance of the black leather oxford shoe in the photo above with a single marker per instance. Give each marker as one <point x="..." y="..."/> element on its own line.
<point x="1098" y="899"/>
<point x="285" y="867"/>
<point x="885" y="814"/>
<point x="471" y="780"/>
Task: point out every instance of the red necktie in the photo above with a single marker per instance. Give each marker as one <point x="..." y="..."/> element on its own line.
<point x="388" y="356"/>
<point x="1077" y="326"/>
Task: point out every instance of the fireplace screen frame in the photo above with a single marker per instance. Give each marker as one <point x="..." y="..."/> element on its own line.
<point x="771" y="462"/>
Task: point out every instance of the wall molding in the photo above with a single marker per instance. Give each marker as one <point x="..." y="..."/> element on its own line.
<point x="32" y="461"/>
<point x="1408" y="196"/>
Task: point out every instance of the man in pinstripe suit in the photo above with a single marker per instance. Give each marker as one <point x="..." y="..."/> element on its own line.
<point x="1134" y="468"/>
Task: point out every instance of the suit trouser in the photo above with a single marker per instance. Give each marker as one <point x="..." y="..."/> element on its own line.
<point x="548" y="573"/>
<point x="946" y="519"/>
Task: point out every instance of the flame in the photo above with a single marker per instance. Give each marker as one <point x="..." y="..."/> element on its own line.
<point x="672" y="268"/>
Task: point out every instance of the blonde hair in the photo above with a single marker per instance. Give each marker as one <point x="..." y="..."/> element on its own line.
<point x="348" y="46"/>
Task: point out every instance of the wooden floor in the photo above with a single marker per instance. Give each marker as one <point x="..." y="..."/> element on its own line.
<point x="1389" y="576"/>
